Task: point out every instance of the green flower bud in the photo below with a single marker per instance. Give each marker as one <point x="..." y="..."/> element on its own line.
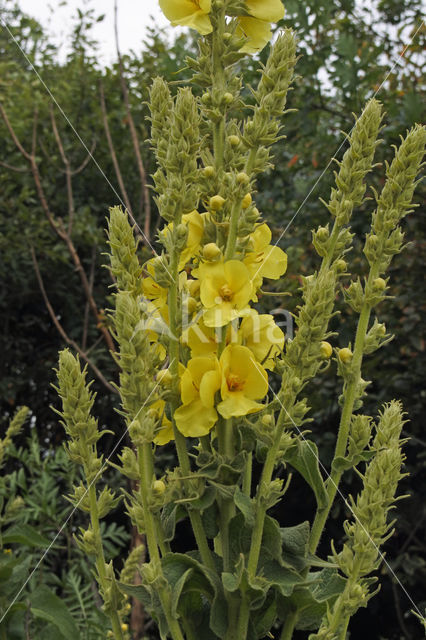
<point x="209" y="171"/>
<point x="164" y="378"/>
<point x="234" y="140"/>
<point x="379" y="284"/>
<point x="158" y="487"/>
<point x="345" y="355"/>
<point x="326" y="350"/>
<point x="211" y="251"/>
<point x="228" y="98"/>
<point x="242" y="178"/>
<point x="341" y="266"/>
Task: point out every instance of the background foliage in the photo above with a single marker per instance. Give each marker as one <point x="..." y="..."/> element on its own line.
<point x="349" y="50"/>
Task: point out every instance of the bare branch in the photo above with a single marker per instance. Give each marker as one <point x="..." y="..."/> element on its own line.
<point x="87" y="308"/>
<point x="62" y="331"/>
<point x="86" y="160"/>
<point x="68" y="173"/>
<point x="112" y="151"/>
<point x="13" y="134"/>
<point x="12" y="168"/>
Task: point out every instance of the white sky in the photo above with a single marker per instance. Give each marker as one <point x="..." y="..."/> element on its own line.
<point x="133" y="18"/>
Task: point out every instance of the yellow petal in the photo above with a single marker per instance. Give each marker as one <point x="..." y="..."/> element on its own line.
<point x="237" y="404"/>
<point x="164" y="434"/>
<point x="268" y="10"/>
<point x="274" y="263"/>
<point x="188" y="391"/>
<point x="210" y="383"/>
<point x="261" y="237"/>
<point x="257" y="32"/>
<point x="195" y="420"/>
<point x="220" y="315"/>
<point x="188" y="13"/>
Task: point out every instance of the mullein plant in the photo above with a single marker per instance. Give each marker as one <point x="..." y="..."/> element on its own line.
<point x="196" y="359"/>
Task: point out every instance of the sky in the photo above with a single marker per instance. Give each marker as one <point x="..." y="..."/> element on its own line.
<point x="133" y="18"/>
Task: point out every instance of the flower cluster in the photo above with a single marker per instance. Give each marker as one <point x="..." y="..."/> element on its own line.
<point x="253" y="18"/>
<point x="225" y="345"/>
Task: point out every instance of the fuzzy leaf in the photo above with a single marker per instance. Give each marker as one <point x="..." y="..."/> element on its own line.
<point x="303" y="456"/>
<point x="47" y="606"/>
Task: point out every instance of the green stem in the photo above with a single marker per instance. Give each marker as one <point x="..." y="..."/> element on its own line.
<point x="247" y="475"/>
<point x="226" y="506"/>
<point x="345" y="422"/>
<point x="289" y="624"/>
<point x="100" y="559"/>
<point x="145" y="459"/>
<point x="256" y="540"/>
<point x="233" y="231"/>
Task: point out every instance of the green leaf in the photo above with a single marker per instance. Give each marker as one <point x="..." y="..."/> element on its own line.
<point x="304" y="458"/>
<point x="200" y="579"/>
<point x="295" y="544"/>
<point x="25" y="535"/>
<point x="47" y="606"/>
<point x="246" y="505"/>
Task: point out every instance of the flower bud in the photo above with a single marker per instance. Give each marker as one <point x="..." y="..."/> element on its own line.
<point x="247" y="200"/>
<point x="206" y="98"/>
<point x="341" y="266"/>
<point x="193" y="287"/>
<point x="345" y="355"/>
<point x="216" y="203"/>
<point x="242" y="178"/>
<point x="326" y="350"/>
<point x="267" y="420"/>
<point x="379" y="284"/>
<point x="164" y="377"/>
<point x="191" y="305"/>
<point x="234" y="141"/>
<point x="322" y="234"/>
<point x="158" y="487"/>
<point x="228" y="98"/>
<point x="209" y="171"/>
<point x="211" y="251"/>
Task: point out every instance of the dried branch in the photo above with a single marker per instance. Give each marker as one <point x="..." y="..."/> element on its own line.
<point x="62" y="331"/>
<point x="86" y="160"/>
<point x="58" y="226"/>
<point x="134" y="135"/>
<point x="113" y="153"/>
<point x="87" y="308"/>
<point x="68" y="173"/>
<point x="12" y="168"/>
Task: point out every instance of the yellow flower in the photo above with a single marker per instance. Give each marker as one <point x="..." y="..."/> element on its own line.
<point x="267" y="10"/>
<point x="256" y="26"/>
<point x="265" y="260"/>
<point x="243" y="382"/>
<point x="204" y="340"/>
<point x="198" y="385"/>
<point x="262" y="336"/>
<point x="188" y="13"/>
<point x="195" y="223"/>
<point x="225" y="291"/>
<point x="165" y="430"/>
<point x="151" y="289"/>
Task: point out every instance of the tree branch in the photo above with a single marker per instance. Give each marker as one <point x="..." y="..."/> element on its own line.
<point x="112" y="151"/>
<point x="62" y="331"/>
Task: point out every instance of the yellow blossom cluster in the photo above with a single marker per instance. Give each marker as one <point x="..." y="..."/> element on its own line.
<point x="253" y="25"/>
<point x="226" y="345"/>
